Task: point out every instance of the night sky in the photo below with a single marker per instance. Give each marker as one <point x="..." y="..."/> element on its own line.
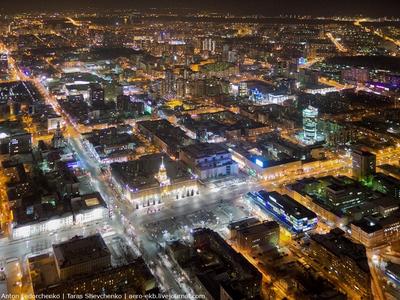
<point x="265" y="7"/>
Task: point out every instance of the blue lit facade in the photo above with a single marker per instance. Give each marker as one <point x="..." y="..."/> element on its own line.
<point x="285" y="210"/>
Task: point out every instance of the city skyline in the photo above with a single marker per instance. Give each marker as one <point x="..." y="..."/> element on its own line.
<point x="388" y="8"/>
<point x="199" y="150"/>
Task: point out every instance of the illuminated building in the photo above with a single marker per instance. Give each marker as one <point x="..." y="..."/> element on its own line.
<point x="234" y="226"/>
<point x="81" y="256"/>
<point x="96" y="93"/>
<point x="355" y="75"/>
<point x="346" y="259"/>
<point x="162" y="176"/>
<point x="89" y="208"/>
<point x="346" y="195"/>
<point x="169" y="81"/>
<point x="285" y="210"/>
<point x="208" y="160"/>
<point x="53" y="215"/>
<point x="364" y="164"/>
<point x="53" y="121"/>
<point x="14" y="171"/>
<point x="372" y="232"/>
<point x="257" y="237"/>
<point x="320" y="89"/>
<point x="390" y="184"/>
<point x="210" y="279"/>
<point x="3" y="65"/>
<point x="78" y="89"/>
<point x="58" y="140"/>
<point x="232" y="56"/>
<point x="14" y="139"/>
<point x="267" y="98"/>
<point x="82" y="266"/>
<point x="127" y="105"/>
<point x="112" y="144"/>
<point x="209" y="44"/>
<point x="132" y="279"/>
<point x="164" y="135"/>
<point x="255" y="162"/>
<point x="181" y="88"/>
<point x="197" y="88"/>
<point x="310" y="115"/>
<point x="21" y="143"/>
<point x="152" y="180"/>
<point x="243" y="90"/>
<point x="219" y="126"/>
<point x="34" y="220"/>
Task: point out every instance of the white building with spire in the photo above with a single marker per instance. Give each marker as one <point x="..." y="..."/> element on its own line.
<point x="162" y="176"/>
<point x="153" y="180"/>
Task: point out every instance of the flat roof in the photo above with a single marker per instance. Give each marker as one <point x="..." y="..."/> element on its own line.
<point x="263" y="227"/>
<point x="337" y="243"/>
<point x="290" y="206"/>
<point x="79" y="250"/>
<point x="86" y="202"/>
<point x="201" y="150"/>
<point x="243" y="223"/>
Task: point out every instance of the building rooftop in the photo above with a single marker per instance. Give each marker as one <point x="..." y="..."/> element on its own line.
<point x="262" y="227"/>
<point x="86" y="202"/>
<point x="243" y="223"/>
<point x="200" y="150"/>
<point x="336" y="243"/>
<point x="289" y="205"/>
<point x="30" y="213"/>
<point x="79" y="250"/>
<point x="370" y="224"/>
<point x="140" y="173"/>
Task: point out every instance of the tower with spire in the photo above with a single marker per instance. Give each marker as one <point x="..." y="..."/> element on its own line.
<point x="162" y="176"/>
<point x="58" y="139"/>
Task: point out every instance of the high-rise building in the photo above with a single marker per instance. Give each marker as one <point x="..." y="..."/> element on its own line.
<point x="169" y="81"/>
<point x="364" y="163"/>
<point x="96" y="93"/>
<point x="3" y="65"/>
<point x="180" y="88"/>
<point x="232" y="56"/>
<point x="310" y="115"/>
<point x="198" y="88"/>
<point x="58" y="140"/>
<point x="209" y="45"/>
<point x="243" y="90"/>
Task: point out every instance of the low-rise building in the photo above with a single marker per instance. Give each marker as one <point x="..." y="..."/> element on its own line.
<point x="81" y="256"/>
<point x="215" y="268"/>
<point x="112" y="144"/>
<point x="347" y="260"/>
<point x="258" y="237"/>
<point x="290" y="213"/>
<point x="37" y="218"/>
<point x="209" y="160"/>
<point x="165" y="136"/>
<point x="373" y="232"/>
<point x="264" y="161"/>
<point x="152" y="180"/>
<point x="89" y="208"/>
